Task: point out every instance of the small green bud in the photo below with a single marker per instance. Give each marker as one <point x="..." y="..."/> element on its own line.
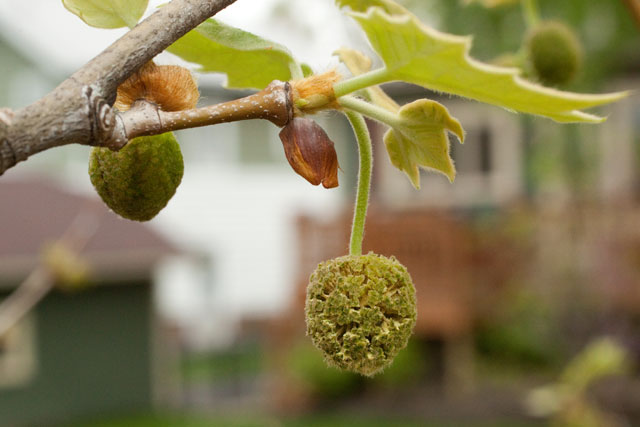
<point x="554" y="53"/>
<point x="360" y="311"/>
<point x="140" y="179"/>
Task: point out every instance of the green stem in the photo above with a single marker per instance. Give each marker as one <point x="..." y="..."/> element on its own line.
<point x="531" y="13"/>
<point x="370" y="78"/>
<point x="364" y="181"/>
<point x="370" y="110"/>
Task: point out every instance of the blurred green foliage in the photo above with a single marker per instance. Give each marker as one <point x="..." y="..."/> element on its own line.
<point x="315" y="420"/>
<point x="525" y="334"/>
<point x="408" y="368"/>
<point x="606" y="29"/>
<point x="307" y="365"/>
<point x="242" y="360"/>
<point x="567" y="402"/>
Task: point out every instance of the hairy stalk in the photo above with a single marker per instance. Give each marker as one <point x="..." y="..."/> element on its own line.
<point x="364" y="181"/>
<point x="361" y="81"/>
<point x="531" y="12"/>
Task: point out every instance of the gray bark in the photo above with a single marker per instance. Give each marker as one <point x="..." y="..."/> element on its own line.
<point x="79" y="110"/>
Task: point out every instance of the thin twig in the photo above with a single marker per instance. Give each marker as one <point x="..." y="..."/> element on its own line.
<point x="272" y="103"/>
<point x="41" y="280"/>
<point x="79" y="110"/>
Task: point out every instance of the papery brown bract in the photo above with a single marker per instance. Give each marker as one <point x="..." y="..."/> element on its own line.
<point x="315" y="93"/>
<point x="171" y="87"/>
<point x="310" y="152"/>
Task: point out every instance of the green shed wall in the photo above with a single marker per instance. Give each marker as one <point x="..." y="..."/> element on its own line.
<point x="93" y="358"/>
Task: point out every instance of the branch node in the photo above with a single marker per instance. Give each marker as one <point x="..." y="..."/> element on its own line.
<point x="143" y="118"/>
<point x="278" y="99"/>
<point x="79" y="109"/>
<point x="105" y="130"/>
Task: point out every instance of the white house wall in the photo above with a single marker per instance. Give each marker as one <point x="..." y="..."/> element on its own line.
<point x="619" y="145"/>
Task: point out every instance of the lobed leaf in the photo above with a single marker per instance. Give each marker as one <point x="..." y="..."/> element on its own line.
<point x="358" y="63"/>
<point x="419" y="139"/>
<point x="419" y="136"/>
<point x="108" y="13"/>
<point x="415" y="53"/>
<point x="248" y="60"/>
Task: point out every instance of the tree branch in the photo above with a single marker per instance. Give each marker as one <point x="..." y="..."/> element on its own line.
<point x="145" y="118"/>
<point x="79" y="109"/>
<point x="42" y="279"/>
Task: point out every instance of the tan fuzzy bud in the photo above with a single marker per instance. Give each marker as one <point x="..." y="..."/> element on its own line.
<point x="171" y="87"/>
<point x="315" y="92"/>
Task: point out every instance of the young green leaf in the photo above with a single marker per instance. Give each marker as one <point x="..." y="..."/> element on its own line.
<point x="418" y="134"/>
<point x="108" y="13"/>
<point x="249" y="61"/>
<point x="415" y="53"/>
<point x="358" y="63"/>
<point x="355" y="61"/>
<point x="419" y="139"/>
<point x="389" y="6"/>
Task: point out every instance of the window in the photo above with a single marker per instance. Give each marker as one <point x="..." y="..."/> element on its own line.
<point x="474" y="157"/>
<point x="489" y="164"/>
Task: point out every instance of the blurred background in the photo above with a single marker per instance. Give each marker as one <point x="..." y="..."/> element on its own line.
<point x="527" y="268"/>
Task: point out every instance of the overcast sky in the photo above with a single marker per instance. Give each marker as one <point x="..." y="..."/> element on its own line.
<point x="50" y="34"/>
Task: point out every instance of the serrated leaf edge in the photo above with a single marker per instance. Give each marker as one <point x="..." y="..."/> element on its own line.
<point x="576" y="101"/>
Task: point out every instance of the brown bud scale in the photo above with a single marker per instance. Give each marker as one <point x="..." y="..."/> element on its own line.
<point x="310" y="152"/>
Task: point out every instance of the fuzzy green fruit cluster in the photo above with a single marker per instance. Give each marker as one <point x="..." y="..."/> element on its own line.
<point x="360" y="311"/>
<point x="140" y="179"/>
<point x="554" y="53"/>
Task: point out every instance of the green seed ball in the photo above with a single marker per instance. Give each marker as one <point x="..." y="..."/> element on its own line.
<point x="360" y="311"/>
<point x="554" y="53"/>
<point x="140" y="179"/>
